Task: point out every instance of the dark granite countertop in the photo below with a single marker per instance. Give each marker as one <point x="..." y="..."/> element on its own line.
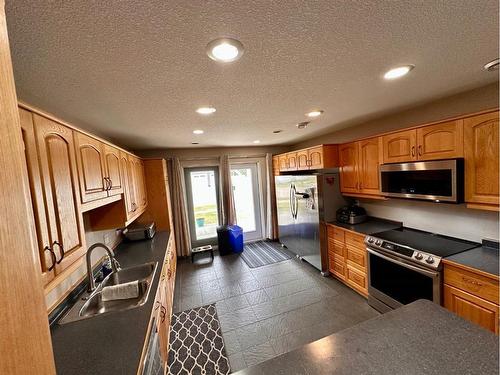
<point x="483" y="258"/>
<point x="419" y="338"/>
<point x="370" y="226"/>
<point x="111" y="343"/>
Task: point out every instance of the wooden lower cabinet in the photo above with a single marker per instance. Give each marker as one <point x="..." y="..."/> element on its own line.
<point x="472" y="294"/>
<point x="347" y="258"/>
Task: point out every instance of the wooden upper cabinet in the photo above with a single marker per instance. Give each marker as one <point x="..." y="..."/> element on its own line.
<point x="440" y="141"/>
<point x="292" y="161"/>
<point x="315" y="156"/>
<point x="481" y="148"/>
<point x="56" y="156"/>
<point x="302" y="160"/>
<point x="400" y="147"/>
<point x="368" y="166"/>
<point x="348" y="156"/>
<point x="91" y="167"/>
<point x="43" y="234"/>
<point x="128" y="182"/>
<point x="113" y="170"/>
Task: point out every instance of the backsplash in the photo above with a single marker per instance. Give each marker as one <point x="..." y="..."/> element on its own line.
<point x="109" y="237"/>
<point x="448" y="219"/>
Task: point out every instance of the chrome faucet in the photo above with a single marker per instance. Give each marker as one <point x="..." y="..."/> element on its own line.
<point x="115" y="266"/>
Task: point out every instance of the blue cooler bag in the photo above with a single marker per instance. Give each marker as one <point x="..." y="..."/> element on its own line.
<point x="230" y="239"/>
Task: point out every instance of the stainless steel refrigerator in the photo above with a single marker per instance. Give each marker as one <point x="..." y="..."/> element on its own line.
<point x="302" y="202"/>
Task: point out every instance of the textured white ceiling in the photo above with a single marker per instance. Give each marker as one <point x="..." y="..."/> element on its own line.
<point x="135" y="71"/>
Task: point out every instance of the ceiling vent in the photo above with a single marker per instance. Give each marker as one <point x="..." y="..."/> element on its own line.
<point x="303" y="125"/>
<point x="492" y="65"/>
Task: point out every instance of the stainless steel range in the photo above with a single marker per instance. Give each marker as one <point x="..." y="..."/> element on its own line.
<point x="404" y="265"/>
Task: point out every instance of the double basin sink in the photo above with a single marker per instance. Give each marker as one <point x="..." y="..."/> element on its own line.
<point x="91" y="304"/>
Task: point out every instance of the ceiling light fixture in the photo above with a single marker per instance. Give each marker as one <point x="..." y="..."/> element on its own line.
<point x="492" y="65"/>
<point x="225" y="50"/>
<point x="398" y="72"/>
<point x="315" y="113"/>
<point x="256" y="141"/>
<point x="302" y="125"/>
<point x="277" y="131"/>
<point x="194" y="143"/>
<point x="206" y="110"/>
<point x="197" y="132"/>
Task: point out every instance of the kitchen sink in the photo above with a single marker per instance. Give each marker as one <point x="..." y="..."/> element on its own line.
<point x="91" y="304"/>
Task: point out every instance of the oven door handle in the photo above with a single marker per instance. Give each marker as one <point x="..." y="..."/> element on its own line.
<point x="402" y="264"/>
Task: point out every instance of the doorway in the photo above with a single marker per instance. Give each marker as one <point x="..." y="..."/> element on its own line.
<point x="247" y="199"/>
<point x="202" y="190"/>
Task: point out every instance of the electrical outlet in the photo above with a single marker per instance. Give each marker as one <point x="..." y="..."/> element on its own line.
<point x="108" y="239"/>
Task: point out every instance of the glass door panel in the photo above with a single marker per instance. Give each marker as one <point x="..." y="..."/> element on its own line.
<point x="245" y="183"/>
<point x="202" y="188"/>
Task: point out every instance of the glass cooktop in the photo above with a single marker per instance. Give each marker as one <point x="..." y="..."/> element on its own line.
<point x="431" y="243"/>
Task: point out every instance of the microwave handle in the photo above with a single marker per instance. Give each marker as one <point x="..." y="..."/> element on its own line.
<point x="403" y="264"/>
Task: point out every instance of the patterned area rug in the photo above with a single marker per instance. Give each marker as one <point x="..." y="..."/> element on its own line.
<point x="262" y="253"/>
<point x="196" y="344"/>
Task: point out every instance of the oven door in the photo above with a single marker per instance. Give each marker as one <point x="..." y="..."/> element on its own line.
<point x="392" y="282"/>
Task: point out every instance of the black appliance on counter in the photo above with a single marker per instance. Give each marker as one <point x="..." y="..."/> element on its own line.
<point x="404" y="265"/>
<point x="352" y="214"/>
<point x="139" y="231"/>
<point x="435" y="180"/>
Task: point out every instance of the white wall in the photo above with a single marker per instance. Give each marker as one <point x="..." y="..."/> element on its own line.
<point x="448" y="219"/>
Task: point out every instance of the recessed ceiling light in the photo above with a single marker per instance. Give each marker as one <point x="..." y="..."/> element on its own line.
<point x="492" y="65"/>
<point x="398" y="72"/>
<point x="302" y="125"/>
<point x="315" y="113"/>
<point x="198" y="131"/>
<point x="225" y="50"/>
<point x="206" y="110"/>
<point x="256" y="141"/>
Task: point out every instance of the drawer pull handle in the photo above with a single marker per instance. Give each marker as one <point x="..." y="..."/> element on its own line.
<point x="471" y="281"/>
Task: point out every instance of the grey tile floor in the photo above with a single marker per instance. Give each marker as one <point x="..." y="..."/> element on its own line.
<point x="270" y="310"/>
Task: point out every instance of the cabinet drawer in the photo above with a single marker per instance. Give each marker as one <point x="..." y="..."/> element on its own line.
<point x="337" y="268"/>
<point x="356" y="256"/>
<point x="356" y="278"/>
<point x="471" y="282"/>
<point x="337" y="248"/>
<point x="355" y="240"/>
<point x="330" y="230"/>
<point x="338" y="234"/>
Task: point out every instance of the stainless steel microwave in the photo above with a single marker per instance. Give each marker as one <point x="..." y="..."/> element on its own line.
<point x="437" y="180"/>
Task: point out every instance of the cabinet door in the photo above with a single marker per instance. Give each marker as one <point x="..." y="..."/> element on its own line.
<point x="440" y="141"/>
<point x="481" y="159"/>
<point x="283" y="162"/>
<point x="315" y="157"/>
<point x="471" y="308"/>
<point x="400" y="147"/>
<point x="369" y="166"/>
<point x="292" y="161"/>
<point x="128" y="183"/>
<point x="60" y="186"/>
<point x="132" y="183"/>
<point x="113" y="170"/>
<point x="44" y="239"/>
<point x="276" y="166"/>
<point x="302" y="160"/>
<point x="348" y="154"/>
<point x="91" y="167"/>
<point x="142" y="181"/>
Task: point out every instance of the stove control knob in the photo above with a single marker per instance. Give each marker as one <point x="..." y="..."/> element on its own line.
<point x="419" y="256"/>
<point x="370" y="240"/>
<point x="378" y="242"/>
<point x="430" y="259"/>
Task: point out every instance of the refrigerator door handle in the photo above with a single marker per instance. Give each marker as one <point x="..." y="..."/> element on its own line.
<point x="290" y="200"/>
<point x="293" y="203"/>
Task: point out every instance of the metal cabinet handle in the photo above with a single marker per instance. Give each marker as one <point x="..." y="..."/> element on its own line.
<point x="62" y="251"/>
<point x="420" y="150"/>
<point x="52" y="256"/>
<point x="105" y="179"/>
<point x="110" y="183"/>
<point x="412" y="150"/>
<point x="360" y="186"/>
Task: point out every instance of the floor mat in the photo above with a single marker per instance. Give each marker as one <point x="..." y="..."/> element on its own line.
<point x="196" y="344"/>
<point x="262" y="253"/>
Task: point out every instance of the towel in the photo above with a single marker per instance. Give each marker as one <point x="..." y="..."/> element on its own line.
<point x="120" y="291"/>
